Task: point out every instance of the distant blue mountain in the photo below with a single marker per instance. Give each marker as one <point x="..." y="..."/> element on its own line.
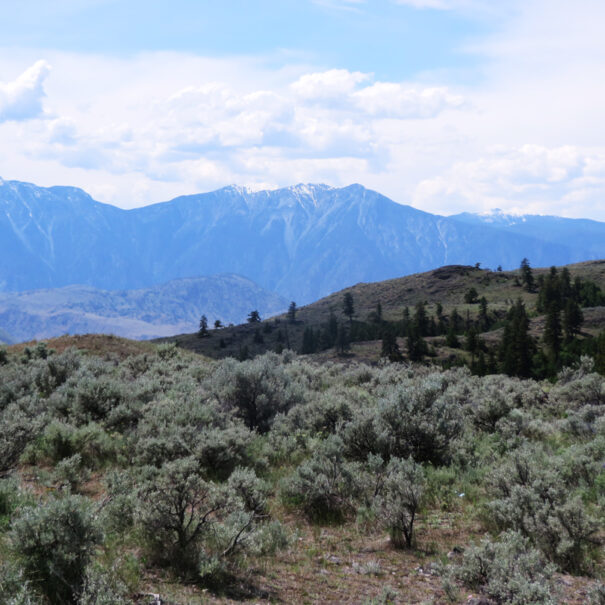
<point x="584" y="238"/>
<point x="163" y="310"/>
<point x="302" y="242"/>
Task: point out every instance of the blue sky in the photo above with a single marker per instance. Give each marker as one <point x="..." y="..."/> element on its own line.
<point x="392" y="40"/>
<point x="447" y="105"/>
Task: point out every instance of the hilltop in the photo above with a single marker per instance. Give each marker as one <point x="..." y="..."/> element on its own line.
<point x="445" y="287"/>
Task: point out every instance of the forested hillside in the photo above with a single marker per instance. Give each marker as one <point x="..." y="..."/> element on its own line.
<point x="527" y="323"/>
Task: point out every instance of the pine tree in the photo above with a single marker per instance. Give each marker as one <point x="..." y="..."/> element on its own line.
<point x="253" y="317"/>
<point x="348" y="307"/>
<point x="517" y="347"/>
<point x="572" y="319"/>
<point x="390" y="348"/>
<point x="552" y="332"/>
<point x="203" y="329"/>
<point x="309" y="342"/>
<point x="343" y="342"/>
<point x="527" y="277"/>
<point x="292" y="312"/>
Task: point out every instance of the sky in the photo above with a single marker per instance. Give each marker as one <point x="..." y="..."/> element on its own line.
<point x="445" y="105"/>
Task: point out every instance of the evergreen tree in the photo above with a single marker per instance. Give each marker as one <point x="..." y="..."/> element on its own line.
<point x="390" y="348"/>
<point x="451" y="339"/>
<point x="552" y="332"/>
<point x="517" y="346"/>
<point x="470" y="296"/>
<point x="343" y="342"/>
<point x="203" y="329"/>
<point x="572" y="319"/>
<point x="527" y="277"/>
<point x="417" y="347"/>
<point x="218" y="324"/>
<point x="348" y="307"/>
<point x="483" y="314"/>
<point x="253" y="317"/>
<point x="421" y="320"/>
<point x="455" y="320"/>
<point x="309" y="342"/>
<point x="292" y="312"/>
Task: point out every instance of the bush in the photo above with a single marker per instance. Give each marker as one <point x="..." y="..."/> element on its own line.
<point x="533" y="497"/>
<point x="415" y="420"/>
<point x="176" y="508"/>
<point x="103" y="588"/>
<point x="55" y="543"/>
<point x="399" y="499"/>
<point x="254" y="390"/>
<point x="509" y="571"/>
<point x="198" y="528"/>
<point x="325" y="486"/>
<point x="15" y="589"/>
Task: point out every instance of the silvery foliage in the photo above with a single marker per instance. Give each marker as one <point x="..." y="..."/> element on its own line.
<point x="533" y="495"/>
<point x="55" y="543"/>
<point x="326" y="485"/>
<point x="398" y="500"/>
<point x="508" y="570"/>
<point x="255" y="390"/>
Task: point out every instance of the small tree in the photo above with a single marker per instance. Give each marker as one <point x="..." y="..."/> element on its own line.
<point x="471" y="296"/>
<point x="527" y="277"/>
<point x="218" y="324"/>
<point x="292" y="313"/>
<point x="390" y="348"/>
<point x="348" y="307"/>
<point x="203" y="329"/>
<point x="399" y="500"/>
<point x="254" y="317"/>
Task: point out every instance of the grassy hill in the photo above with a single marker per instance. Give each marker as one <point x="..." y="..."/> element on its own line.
<point x="446" y="286"/>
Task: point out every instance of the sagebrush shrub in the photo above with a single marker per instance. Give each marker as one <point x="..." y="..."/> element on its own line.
<point x="325" y="486"/>
<point x="399" y="499"/>
<point x="55" y="543"/>
<point x="508" y="570"/>
<point x="532" y="496"/>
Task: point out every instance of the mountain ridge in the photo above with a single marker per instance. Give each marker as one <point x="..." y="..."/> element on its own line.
<point x="302" y="242"/>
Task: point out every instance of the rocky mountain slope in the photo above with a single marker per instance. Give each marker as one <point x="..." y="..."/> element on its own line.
<point x="302" y="242"/>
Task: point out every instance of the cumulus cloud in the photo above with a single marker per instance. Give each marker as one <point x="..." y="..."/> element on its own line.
<point x="526" y="179"/>
<point x="22" y="98"/>
<point x="394" y="100"/>
<point x="524" y="132"/>
<point x="332" y="84"/>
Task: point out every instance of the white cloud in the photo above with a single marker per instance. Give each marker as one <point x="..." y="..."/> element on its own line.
<point x="528" y="179"/>
<point x="390" y="99"/>
<point x="527" y="135"/>
<point x="332" y="84"/>
<point x="22" y="98"/>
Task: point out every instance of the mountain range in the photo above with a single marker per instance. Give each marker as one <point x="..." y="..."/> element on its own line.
<point x="162" y="310"/>
<point x="301" y="242"/>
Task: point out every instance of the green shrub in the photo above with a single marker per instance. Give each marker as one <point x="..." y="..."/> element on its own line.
<point x="15" y="588"/>
<point x="326" y="485"/>
<point x="398" y="500"/>
<point x="202" y="529"/>
<point x="70" y="472"/>
<point x="103" y="587"/>
<point x="414" y="419"/>
<point x="254" y="390"/>
<point x="508" y="571"/>
<point x="532" y="496"/>
<point x="55" y="543"/>
<point x="176" y="509"/>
